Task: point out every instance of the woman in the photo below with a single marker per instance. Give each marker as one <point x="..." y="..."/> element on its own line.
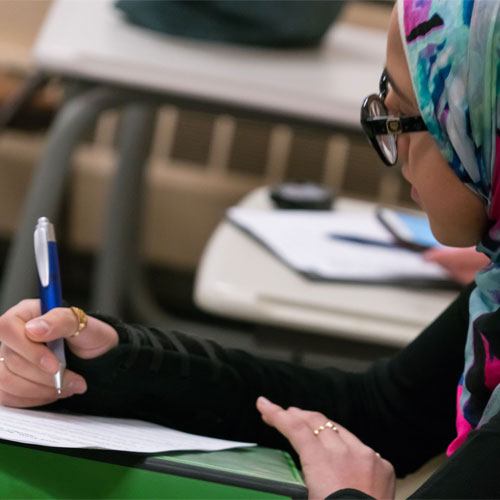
<point x="441" y="79"/>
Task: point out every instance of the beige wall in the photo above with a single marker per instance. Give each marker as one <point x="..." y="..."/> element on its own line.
<point x="20" y="21"/>
<point x="211" y="161"/>
<point x="367" y="13"/>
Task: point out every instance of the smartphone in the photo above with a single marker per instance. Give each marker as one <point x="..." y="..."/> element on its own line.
<point x="411" y="230"/>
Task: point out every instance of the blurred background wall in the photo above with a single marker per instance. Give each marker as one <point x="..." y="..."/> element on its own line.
<point x="200" y="164"/>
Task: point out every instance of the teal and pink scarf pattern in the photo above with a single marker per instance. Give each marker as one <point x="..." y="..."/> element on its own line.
<point x="453" y="52"/>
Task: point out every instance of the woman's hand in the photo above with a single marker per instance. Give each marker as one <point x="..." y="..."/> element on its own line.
<point x="332" y="459"/>
<point x="26" y="363"/>
<point x="461" y="263"/>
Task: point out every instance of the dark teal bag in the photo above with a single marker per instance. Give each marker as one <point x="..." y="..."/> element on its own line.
<point x="273" y="23"/>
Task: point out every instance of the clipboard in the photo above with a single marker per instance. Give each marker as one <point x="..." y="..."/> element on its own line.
<point x="339" y="247"/>
<point x="36" y="472"/>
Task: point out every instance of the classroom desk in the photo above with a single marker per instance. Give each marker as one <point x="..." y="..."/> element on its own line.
<point x="39" y="473"/>
<point x="240" y="279"/>
<point x="111" y="64"/>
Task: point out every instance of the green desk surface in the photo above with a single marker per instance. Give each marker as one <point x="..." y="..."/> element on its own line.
<point x="248" y="473"/>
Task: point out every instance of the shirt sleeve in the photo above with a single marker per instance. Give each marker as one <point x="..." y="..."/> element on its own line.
<point x="404" y="407"/>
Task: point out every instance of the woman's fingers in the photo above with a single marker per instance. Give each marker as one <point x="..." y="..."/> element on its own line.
<point x="27" y="365"/>
<point x="20" y="366"/>
<point x="21" y="402"/>
<point x="13" y="335"/>
<point x="461" y="263"/>
<point x="13" y="386"/>
<point x="25" y="309"/>
<point x="25" y="331"/>
<point x="297" y="430"/>
<point x="60" y="322"/>
<point x="332" y="458"/>
<point x="347" y="437"/>
<point x="298" y="425"/>
<point x="295" y="419"/>
<point x="94" y="339"/>
<point x="16" y="370"/>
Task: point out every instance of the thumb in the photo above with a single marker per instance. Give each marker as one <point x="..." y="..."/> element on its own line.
<point x="60" y="322"/>
<point x="96" y="337"/>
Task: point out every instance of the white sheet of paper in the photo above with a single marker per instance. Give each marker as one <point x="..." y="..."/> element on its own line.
<point x="82" y="431"/>
<point x="302" y="239"/>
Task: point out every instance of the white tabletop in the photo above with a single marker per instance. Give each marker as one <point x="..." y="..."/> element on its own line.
<point x="240" y="279"/>
<point x="90" y="39"/>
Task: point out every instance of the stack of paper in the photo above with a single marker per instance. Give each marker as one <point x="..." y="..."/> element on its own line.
<point x="315" y="244"/>
<point x="84" y="431"/>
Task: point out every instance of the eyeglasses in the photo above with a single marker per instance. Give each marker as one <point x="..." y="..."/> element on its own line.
<point x="381" y="128"/>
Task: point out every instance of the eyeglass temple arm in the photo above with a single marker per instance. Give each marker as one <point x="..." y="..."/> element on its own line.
<point x="379" y="126"/>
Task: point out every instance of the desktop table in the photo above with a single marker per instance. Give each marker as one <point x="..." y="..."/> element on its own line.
<point x="112" y="64"/>
<point x="239" y="278"/>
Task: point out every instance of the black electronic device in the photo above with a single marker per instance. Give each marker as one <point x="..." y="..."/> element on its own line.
<point x="302" y="195"/>
<point x="411" y="230"/>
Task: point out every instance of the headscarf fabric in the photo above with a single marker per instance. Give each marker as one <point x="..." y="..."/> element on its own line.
<point x="453" y="53"/>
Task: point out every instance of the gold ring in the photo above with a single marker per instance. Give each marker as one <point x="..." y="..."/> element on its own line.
<point x="332" y="426"/>
<point x="328" y="425"/>
<point x="82" y="319"/>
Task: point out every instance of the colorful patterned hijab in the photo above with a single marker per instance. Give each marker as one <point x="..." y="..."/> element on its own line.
<point x="453" y="52"/>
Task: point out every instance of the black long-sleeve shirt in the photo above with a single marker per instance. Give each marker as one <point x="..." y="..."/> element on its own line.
<point x="403" y="407"/>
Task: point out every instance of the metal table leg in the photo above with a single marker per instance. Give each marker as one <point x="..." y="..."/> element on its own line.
<point x="118" y="280"/>
<point x="120" y="242"/>
<point x="47" y="187"/>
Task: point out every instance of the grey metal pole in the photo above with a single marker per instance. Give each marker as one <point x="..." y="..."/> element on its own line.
<point x="121" y="238"/>
<point x="47" y="188"/>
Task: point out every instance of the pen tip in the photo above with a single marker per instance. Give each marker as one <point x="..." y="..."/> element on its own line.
<point x="59" y="391"/>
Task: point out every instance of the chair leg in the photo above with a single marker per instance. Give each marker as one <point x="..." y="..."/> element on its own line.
<point x="47" y="188"/>
<point x="118" y="281"/>
<point x="119" y="255"/>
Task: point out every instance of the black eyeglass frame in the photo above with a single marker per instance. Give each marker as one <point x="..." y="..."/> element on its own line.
<point x="386" y="125"/>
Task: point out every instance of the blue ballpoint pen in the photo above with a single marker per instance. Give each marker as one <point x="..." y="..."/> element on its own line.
<point x="365" y="241"/>
<point x="49" y="281"/>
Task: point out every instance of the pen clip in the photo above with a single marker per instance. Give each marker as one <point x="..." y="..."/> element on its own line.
<point x="44" y="232"/>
